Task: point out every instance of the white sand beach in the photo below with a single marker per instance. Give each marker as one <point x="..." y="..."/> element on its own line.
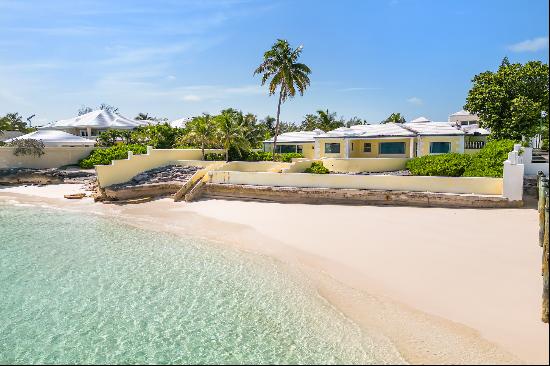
<point x="444" y="285"/>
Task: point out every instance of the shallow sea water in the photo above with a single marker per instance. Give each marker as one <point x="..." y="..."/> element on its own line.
<point x="78" y="288"/>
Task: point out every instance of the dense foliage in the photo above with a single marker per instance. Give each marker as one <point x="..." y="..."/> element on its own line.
<point x="509" y="102"/>
<point x="395" y="118"/>
<point x="105" y="156"/>
<point x="30" y="147"/>
<point x="14" y="122"/>
<point x="488" y="162"/>
<point x="317" y="168"/>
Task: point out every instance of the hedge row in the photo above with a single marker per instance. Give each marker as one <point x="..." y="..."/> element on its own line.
<point x="488" y="162"/>
<point x="105" y="156"/>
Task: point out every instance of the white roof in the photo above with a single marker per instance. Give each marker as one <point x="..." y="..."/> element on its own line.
<point x="474" y="130"/>
<point x="370" y="131"/>
<point x="55" y="138"/>
<point x="433" y="128"/>
<point x="299" y="136"/>
<point x="97" y="119"/>
<point x="420" y="120"/>
<point x="180" y="123"/>
<point x="462" y="113"/>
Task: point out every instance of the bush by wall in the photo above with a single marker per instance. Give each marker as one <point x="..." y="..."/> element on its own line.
<point x="488" y="162"/>
<point x="317" y="168"/>
<point x="105" y="156"/>
<point x="268" y="156"/>
<point x="446" y="165"/>
<point x="214" y="157"/>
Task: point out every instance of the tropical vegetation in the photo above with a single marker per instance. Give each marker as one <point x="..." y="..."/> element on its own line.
<point x="513" y="101"/>
<point x="317" y="168"/>
<point x="105" y="156"/>
<point x="488" y="162"/>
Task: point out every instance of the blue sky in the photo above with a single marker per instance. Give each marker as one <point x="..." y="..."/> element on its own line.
<point x="181" y="58"/>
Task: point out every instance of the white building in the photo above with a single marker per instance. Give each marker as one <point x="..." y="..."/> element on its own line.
<point x="464" y="118"/>
<point x="92" y="124"/>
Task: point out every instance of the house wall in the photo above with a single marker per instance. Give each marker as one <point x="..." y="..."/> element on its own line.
<point x="423" y="143"/>
<point x="323" y="141"/>
<point x="120" y="171"/>
<point x="465" y="185"/>
<point x="54" y="157"/>
<point x="357" y="148"/>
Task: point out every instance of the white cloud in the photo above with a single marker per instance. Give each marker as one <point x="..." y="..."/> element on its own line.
<point x="415" y="101"/>
<point x="530" y="45"/>
<point x="191" y="98"/>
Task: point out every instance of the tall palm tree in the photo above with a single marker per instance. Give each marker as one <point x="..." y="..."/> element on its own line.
<point x="395" y="118"/>
<point x="328" y="121"/>
<point x="200" y="131"/>
<point x="231" y="131"/>
<point x="280" y="66"/>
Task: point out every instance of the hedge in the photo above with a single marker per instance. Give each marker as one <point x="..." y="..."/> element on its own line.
<point x="488" y="162"/>
<point x="105" y="156"/>
<point x="254" y="156"/>
<point x="317" y="168"/>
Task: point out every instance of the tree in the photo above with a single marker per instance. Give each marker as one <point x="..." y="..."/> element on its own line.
<point x="144" y="117"/>
<point x="30" y="147"/>
<point x="200" y="131"/>
<point x="286" y="74"/>
<point x="395" y="118"/>
<point x="231" y="131"/>
<point x="254" y="132"/>
<point x="509" y="101"/>
<point x="105" y="107"/>
<point x="13" y="122"/>
<point x="160" y="136"/>
<point x="356" y="121"/>
<point x="328" y="121"/>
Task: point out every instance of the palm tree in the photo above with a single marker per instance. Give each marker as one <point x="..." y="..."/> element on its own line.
<point x="199" y="131"/>
<point x="144" y="117"/>
<point x="327" y="121"/>
<point x="286" y="74"/>
<point x="395" y="118"/>
<point x="231" y="131"/>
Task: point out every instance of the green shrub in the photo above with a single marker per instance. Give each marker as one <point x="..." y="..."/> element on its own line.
<point x="105" y="156"/>
<point x="317" y="168"/>
<point x="446" y="165"/>
<point x="488" y="162"/>
<point x="214" y="156"/>
<point x="268" y="156"/>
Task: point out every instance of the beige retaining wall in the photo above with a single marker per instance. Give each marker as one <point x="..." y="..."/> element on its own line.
<point x="373" y="165"/>
<point x="465" y="185"/>
<point x="121" y="171"/>
<point x="54" y="157"/>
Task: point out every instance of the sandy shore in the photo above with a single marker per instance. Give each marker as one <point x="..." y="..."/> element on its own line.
<point x="444" y="285"/>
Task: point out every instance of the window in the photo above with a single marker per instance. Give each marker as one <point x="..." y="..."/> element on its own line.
<point x="284" y="149"/>
<point x="440" y="147"/>
<point x="299" y="149"/>
<point x="367" y="147"/>
<point x="392" y="148"/>
<point x="332" y="148"/>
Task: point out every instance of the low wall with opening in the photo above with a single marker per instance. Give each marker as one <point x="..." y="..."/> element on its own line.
<point x="54" y="157"/>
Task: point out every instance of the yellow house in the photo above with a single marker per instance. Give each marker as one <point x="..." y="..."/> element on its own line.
<point x="390" y="140"/>
<point x="301" y="142"/>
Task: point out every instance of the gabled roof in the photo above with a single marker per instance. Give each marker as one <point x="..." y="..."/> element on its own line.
<point x="420" y="120"/>
<point x="55" y="138"/>
<point x="298" y="136"/>
<point x="433" y="129"/>
<point x="370" y="131"/>
<point x="97" y="119"/>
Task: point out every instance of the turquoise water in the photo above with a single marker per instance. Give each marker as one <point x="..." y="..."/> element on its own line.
<point x="79" y="288"/>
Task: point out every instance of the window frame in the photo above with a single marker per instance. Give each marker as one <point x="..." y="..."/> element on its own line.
<point x="369" y="145"/>
<point x="332" y="144"/>
<point x="401" y="143"/>
<point x="447" y="143"/>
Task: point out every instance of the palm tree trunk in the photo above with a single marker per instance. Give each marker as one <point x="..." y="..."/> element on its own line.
<point x="202" y="149"/>
<point x="277" y="123"/>
<point x="227" y="144"/>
